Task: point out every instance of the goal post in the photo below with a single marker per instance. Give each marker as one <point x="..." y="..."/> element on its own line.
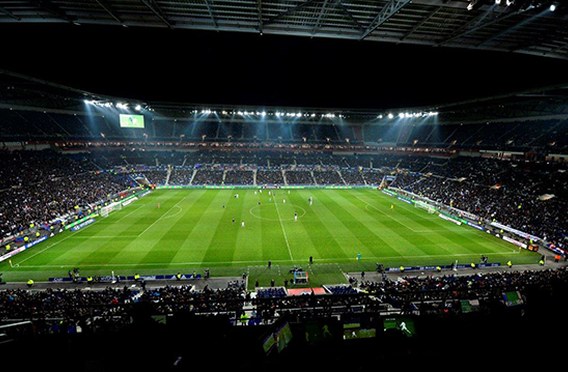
<point x="107" y="209"/>
<point x="422" y="205"/>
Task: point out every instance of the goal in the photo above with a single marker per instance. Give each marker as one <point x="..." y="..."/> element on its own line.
<point x="419" y="204"/>
<point x="105" y="211"/>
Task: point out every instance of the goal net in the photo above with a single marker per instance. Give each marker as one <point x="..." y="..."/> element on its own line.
<point x="105" y="211"/>
<point x="419" y="204"/>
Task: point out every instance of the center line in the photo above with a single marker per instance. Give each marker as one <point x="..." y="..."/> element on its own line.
<point x="283" y="231"/>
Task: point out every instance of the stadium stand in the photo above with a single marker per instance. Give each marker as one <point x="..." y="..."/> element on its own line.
<point x="52" y="169"/>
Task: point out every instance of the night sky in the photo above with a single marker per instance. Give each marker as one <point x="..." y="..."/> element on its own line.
<point x="232" y="68"/>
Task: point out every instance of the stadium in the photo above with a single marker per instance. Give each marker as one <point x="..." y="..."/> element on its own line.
<point x="271" y="188"/>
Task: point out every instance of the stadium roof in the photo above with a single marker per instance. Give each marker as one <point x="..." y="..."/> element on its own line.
<point x="18" y="91"/>
<point x="520" y="26"/>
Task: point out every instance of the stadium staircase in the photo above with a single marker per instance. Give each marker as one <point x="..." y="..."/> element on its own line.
<point x="447" y="139"/>
<point x="168" y="174"/>
<point x="313" y="177"/>
<point x="224" y="175"/>
<point x="425" y="167"/>
<point x="404" y="134"/>
<point x="481" y="128"/>
<point x="508" y="133"/>
<point x="430" y="134"/>
<point x="254" y="171"/>
<point x="58" y="125"/>
<point x="545" y="133"/>
<point x="342" y="179"/>
<point x="192" y="176"/>
<point x="284" y="177"/>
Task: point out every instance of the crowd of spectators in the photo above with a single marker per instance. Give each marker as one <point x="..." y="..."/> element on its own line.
<point x="156" y="177"/>
<point x="269" y="177"/>
<point x="299" y="177"/>
<point x="331" y="177"/>
<point x="407" y="294"/>
<point x="39" y="186"/>
<point x="352" y="177"/>
<point x="46" y="185"/>
<point x="77" y="306"/>
<point x="239" y="177"/>
<point x="530" y="197"/>
<point x="373" y="176"/>
<point x="208" y="177"/>
<point x="180" y="176"/>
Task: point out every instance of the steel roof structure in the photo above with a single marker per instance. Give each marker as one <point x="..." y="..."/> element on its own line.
<point x="23" y="92"/>
<point x="520" y="26"/>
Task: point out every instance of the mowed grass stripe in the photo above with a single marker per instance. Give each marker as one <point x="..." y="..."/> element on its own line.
<point x="115" y="232"/>
<point x="338" y="226"/>
<point x="415" y="243"/>
<point x="222" y="243"/>
<point x="309" y="235"/>
<point x="129" y="250"/>
<point x="211" y="235"/>
<point x="460" y="239"/>
<point x="456" y="237"/>
<point x="382" y="239"/>
<point x="202" y="221"/>
<point x="333" y="237"/>
<point x="272" y="236"/>
<point x="248" y="244"/>
<point x="73" y="251"/>
<point x="392" y="235"/>
<point x="432" y="241"/>
<point x="174" y="240"/>
<point x="364" y="238"/>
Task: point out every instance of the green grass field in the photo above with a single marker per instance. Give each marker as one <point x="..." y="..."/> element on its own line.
<point x="193" y="230"/>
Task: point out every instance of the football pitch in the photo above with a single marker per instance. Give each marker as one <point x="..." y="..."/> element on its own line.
<point x="188" y="230"/>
